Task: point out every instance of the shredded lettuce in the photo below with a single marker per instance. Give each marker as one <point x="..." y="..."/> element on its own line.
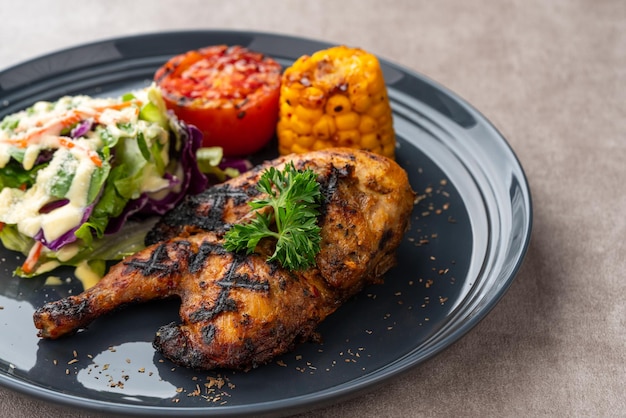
<point x="14" y="175"/>
<point x="146" y="168"/>
<point x="211" y="161"/>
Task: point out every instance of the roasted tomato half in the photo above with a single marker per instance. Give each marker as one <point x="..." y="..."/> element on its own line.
<point x="228" y="92"/>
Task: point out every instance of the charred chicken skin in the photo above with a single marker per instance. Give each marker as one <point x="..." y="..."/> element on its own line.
<point x="239" y="311"/>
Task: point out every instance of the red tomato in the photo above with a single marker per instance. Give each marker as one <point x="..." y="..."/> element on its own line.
<point x="229" y="93"/>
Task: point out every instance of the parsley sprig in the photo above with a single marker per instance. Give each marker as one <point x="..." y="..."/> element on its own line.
<point x="294" y="196"/>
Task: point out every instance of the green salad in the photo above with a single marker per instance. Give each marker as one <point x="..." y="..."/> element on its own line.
<point x="74" y="172"/>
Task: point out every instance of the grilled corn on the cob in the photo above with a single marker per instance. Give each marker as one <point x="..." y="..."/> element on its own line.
<point x="335" y="97"/>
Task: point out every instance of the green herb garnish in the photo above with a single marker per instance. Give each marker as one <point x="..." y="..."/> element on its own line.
<point x="294" y="197"/>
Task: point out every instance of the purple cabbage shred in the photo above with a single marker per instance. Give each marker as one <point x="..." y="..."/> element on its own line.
<point x="193" y="182"/>
<point x="66" y="238"/>
<point x="81" y="128"/>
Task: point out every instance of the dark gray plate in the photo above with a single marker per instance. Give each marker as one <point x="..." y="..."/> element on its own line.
<point x="468" y="237"/>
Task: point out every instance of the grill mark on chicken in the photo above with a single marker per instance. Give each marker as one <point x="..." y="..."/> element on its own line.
<point x="208" y="333"/>
<point x="196" y="260"/>
<point x="243" y="282"/>
<point x="205" y="211"/>
<point x="158" y="264"/>
<point x="239" y="311"/>
<point x="213" y="219"/>
<point x="224" y="303"/>
<point x="328" y="186"/>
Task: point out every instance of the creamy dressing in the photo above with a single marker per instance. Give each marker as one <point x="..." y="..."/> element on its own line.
<point x="30" y="156"/>
<point x="67" y="252"/>
<point x="23" y="208"/>
<point x="53" y="281"/>
<point x="77" y="145"/>
<point x="46" y="126"/>
<point x="86" y="275"/>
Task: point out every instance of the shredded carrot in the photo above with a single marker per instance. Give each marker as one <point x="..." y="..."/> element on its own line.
<point x="69" y="144"/>
<point x="117" y="106"/>
<point x="32" y="258"/>
<point x="96" y="160"/>
<point x="72" y="117"/>
<point x="66" y="143"/>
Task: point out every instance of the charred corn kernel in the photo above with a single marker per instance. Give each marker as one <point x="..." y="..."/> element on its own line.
<point x="360" y="103"/>
<point x="374" y="141"/>
<point x="385" y="120"/>
<point x="300" y="127"/>
<point x="335" y="97"/>
<point x="324" y="128"/>
<point x="375" y="85"/>
<point x="348" y="138"/>
<point x="292" y="97"/>
<point x="370" y="141"/>
<point x="306" y="141"/>
<point x="320" y="145"/>
<point x="338" y="104"/>
<point x="286" y="110"/>
<point x="379" y="109"/>
<point x="313" y="98"/>
<point x="288" y="140"/>
<point x="299" y="149"/>
<point x="388" y="148"/>
<point x="307" y="114"/>
<point x="347" y="121"/>
<point x="367" y="124"/>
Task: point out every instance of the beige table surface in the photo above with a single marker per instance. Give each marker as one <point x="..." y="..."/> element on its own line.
<point x="551" y="76"/>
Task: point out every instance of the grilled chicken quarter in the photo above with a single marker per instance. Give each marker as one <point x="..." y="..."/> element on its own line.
<point x="239" y="311"/>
